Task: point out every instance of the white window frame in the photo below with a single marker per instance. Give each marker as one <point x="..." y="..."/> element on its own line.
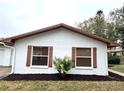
<point x="84" y="67"/>
<point x="39" y="66"/>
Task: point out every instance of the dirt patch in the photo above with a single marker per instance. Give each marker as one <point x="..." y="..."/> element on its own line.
<point x="112" y="76"/>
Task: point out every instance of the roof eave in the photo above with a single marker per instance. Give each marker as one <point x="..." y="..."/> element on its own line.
<point x="12" y="39"/>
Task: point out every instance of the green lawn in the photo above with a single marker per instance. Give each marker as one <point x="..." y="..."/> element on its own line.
<point x="62" y="85"/>
<point x="119" y="68"/>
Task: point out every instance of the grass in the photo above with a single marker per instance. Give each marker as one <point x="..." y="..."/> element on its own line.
<point x="61" y="85"/>
<point x="119" y="67"/>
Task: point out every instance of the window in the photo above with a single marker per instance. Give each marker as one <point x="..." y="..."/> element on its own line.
<point x="40" y="56"/>
<point x="83" y="57"/>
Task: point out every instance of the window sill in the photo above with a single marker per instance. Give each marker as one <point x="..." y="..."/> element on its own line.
<point x="84" y="68"/>
<point x="39" y="67"/>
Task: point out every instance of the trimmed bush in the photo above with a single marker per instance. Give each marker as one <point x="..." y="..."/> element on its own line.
<point x="113" y="59"/>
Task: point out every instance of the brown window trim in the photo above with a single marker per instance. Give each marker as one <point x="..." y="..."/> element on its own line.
<point x="90" y="67"/>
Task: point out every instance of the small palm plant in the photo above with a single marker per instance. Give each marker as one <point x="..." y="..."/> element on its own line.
<point x="63" y="65"/>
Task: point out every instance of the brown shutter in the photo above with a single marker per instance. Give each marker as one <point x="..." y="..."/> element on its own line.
<point x="50" y="56"/>
<point x="28" y="55"/>
<point x="73" y="55"/>
<point x="94" y="57"/>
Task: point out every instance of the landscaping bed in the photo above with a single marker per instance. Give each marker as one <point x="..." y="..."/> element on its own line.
<point x="111" y="76"/>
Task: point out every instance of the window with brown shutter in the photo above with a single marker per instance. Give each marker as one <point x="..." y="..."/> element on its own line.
<point x="41" y="56"/>
<point x="83" y="57"/>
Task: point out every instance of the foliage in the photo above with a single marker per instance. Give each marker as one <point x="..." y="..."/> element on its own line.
<point x="111" y="31"/>
<point x="121" y="31"/>
<point x="121" y="37"/>
<point x="95" y="25"/>
<point x="118" y="17"/>
<point x="63" y="65"/>
<point x="105" y="27"/>
<point x="113" y="59"/>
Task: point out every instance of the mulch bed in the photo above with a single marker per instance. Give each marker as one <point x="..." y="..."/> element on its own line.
<point x="55" y="77"/>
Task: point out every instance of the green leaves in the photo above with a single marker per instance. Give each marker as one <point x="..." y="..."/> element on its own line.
<point x="95" y="25"/>
<point x="63" y="65"/>
<point x="106" y="27"/>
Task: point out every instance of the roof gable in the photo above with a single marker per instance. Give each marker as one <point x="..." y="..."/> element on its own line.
<point x="61" y="25"/>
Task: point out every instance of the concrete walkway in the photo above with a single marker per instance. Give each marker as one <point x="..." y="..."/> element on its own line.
<point x="116" y="72"/>
<point x="4" y="71"/>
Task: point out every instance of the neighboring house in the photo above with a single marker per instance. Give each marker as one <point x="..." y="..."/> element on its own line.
<point x="5" y="55"/>
<point x="118" y="50"/>
<point x="34" y="52"/>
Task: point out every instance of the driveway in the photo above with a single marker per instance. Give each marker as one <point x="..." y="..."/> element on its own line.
<point x="4" y="71"/>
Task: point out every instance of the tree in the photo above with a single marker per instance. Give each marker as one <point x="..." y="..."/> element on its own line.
<point x="117" y="16"/>
<point x="121" y="37"/>
<point x="107" y="28"/>
<point x="95" y="25"/>
<point x="111" y="31"/>
<point x="111" y="28"/>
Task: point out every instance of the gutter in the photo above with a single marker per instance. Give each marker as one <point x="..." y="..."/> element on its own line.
<point x="12" y="57"/>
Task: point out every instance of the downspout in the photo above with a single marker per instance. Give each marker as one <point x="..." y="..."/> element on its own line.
<point x="13" y="56"/>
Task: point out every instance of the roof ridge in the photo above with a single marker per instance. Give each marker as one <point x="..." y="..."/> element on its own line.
<point x="48" y="28"/>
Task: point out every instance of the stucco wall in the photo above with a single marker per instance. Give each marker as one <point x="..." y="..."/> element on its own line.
<point x="62" y="41"/>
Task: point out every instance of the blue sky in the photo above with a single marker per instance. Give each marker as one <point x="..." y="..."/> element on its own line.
<point x="20" y="16"/>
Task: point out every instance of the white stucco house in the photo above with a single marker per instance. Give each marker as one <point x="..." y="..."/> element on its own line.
<point x="34" y="52"/>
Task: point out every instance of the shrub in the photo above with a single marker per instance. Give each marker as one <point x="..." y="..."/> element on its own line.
<point x="63" y="65"/>
<point x="113" y="59"/>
